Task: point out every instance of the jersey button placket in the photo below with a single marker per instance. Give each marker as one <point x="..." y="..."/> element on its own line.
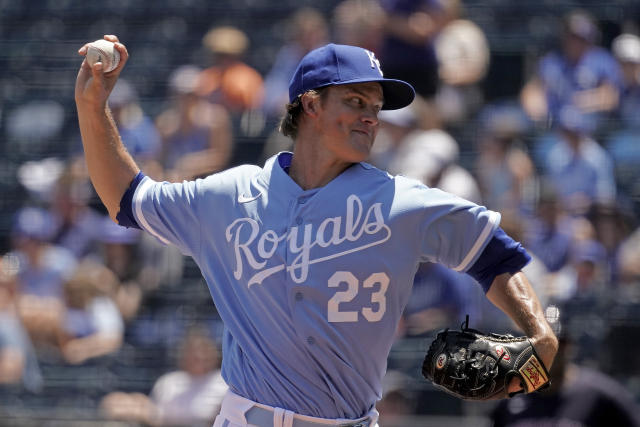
<point x="300" y="316"/>
<point x="298" y="300"/>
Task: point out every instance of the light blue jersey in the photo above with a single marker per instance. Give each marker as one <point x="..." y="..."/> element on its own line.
<point x="311" y="284"/>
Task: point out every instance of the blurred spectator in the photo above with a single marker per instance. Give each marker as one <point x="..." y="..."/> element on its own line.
<point x="410" y="29"/>
<point x="42" y="270"/>
<point x="578" y="396"/>
<point x="190" y="396"/>
<point x="119" y="248"/>
<point x="580" y="74"/>
<point x="612" y="224"/>
<point x="585" y="275"/>
<point x="138" y="132"/>
<point x="92" y="325"/>
<point x="77" y="224"/>
<point x="548" y="235"/>
<point x="359" y="23"/>
<point x="43" y="266"/>
<point x="140" y="263"/>
<point x="39" y="176"/>
<point x="307" y="29"/>
<point x="623" y="142"/>
<point x="429" y="156"/>
<point x="628" y="269"/>
<point x="229" y="81"/>
<point x="462" y="51"/>
<point x="505" y="171"/>
<point x="120" y="255"/>
<point x="34" y="124"/>
<point x="626" y="49"/>
<point x="579" y="168"/>
<point x="196" y="134"/>
<point x="18" y="363"/>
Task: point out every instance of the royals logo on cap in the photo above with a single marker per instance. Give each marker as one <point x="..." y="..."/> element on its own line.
<point x="335" y="64"/>
<point x="374" y="61"/>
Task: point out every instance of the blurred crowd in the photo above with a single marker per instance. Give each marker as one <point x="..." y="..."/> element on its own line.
<point x="81" y="297"/>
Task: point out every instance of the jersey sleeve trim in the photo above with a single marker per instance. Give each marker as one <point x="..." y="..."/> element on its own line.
<point x="142" y="189"/>
<point x="487" y="231"/>
<point x="125" y="217"/>
<point x="501" y="255"/>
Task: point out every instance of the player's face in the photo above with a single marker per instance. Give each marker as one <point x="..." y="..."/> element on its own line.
<point x="349" y="120"/>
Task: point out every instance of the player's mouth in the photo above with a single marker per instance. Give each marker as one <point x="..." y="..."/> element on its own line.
<point x="363" y="132"/>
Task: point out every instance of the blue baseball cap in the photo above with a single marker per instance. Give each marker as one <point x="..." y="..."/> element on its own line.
<point x="35" y="223"/>
<point x="336" y="64"/>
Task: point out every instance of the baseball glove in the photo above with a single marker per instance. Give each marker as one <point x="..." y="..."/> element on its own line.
<point x="475" y="366"/>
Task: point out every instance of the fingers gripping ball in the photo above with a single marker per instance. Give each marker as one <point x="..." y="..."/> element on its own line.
<point x="103" y="51"/>
<point x="474" y="366"/>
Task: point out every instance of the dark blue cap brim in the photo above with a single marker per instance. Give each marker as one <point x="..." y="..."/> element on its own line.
<point x="397" y="93"/>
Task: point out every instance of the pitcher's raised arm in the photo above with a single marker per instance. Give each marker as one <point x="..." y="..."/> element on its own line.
<point x="110" y="166"/>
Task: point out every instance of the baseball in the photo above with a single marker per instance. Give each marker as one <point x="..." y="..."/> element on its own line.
<point x="103" y="51"/>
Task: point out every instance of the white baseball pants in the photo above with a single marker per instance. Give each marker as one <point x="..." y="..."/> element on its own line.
<point x="236" y="411"/>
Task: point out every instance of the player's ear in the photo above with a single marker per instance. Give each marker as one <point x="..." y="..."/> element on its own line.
<point x="310" y="103"/>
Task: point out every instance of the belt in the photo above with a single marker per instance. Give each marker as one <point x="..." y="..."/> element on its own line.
<point x="264" y="418"/>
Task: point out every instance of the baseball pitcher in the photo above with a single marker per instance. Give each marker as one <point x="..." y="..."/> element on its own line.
<point x="310" y="258"/>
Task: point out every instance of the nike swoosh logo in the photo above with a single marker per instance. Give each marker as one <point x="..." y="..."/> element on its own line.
<point x="242" y="198"/>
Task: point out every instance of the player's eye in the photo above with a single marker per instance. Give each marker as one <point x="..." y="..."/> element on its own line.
<point x="355" y="100"/>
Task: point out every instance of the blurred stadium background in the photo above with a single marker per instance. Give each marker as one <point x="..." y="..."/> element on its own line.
<point x="593" y="274"/>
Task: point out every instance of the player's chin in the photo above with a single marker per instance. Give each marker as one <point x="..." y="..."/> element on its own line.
<point x="361" y="143"/>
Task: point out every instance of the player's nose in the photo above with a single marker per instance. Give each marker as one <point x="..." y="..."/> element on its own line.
<point x="370" y="117"/>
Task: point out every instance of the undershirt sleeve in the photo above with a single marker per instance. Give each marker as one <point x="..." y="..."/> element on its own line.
<point x="125" y="216"/>
<point x="501" y="255"/>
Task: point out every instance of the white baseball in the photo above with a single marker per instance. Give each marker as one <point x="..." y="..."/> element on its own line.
<point x="103" y="51"/>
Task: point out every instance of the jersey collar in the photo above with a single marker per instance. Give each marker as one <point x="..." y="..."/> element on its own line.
<point x="275" y="177"/>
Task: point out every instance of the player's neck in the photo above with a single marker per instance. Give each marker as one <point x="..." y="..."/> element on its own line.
<point x="311" y="168"/>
